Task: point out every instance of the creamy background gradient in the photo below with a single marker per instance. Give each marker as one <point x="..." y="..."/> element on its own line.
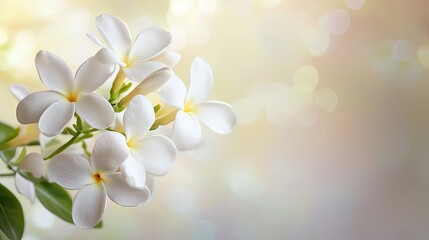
<point x="331" y="97"/>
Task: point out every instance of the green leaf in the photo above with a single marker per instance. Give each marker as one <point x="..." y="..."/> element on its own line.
<point x="7" y="133"/>
<point x="8" y="154"/>
<point x="11" y="215"/>
<point x="55" y="199"/>
<point x="3" y="236"/>
<point x="99" y="225"/>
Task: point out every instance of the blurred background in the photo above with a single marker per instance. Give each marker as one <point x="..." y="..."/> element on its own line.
<point x="331" y="97"/>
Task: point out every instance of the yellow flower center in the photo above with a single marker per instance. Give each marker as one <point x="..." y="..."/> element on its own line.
<point x="97" y="177"/>
<point x="72" y="97"/>
<point x="189" y="107"/>
<point x="131" y="143"/>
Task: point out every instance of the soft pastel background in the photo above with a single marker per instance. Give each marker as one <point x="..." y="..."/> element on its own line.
<point x="333" y="141"/>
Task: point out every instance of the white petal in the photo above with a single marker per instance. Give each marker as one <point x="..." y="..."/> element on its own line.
<point x="169" y="58"/>
<point x="95" y="110"/>
<point x="115" y="32"/>
<point x="157" y="154"/>
<point x="19" y="91"/>
<point x="133" y="172"/>
<point x="200" y="82"/>
<point x="54" y="72"/>
<point x="32" y="107"/>
<point x="110" y="151"/>
<point x="154" y="82"/>
<point x="173" y="92"/>
<point x="150" y="184"/>
<point x="33" y="163"/>
<point x="186" y="131"/>
<point x="94" y="39"/>
<point x="107" y="56"/>
<point x="121" y="193"/>
<point x="138" y="72"/>
<point x="25" y="187"/>
<point x="89" y="205"/>
<point x="71" y="171"/>
<point x="138" y="118"/>
<point x="55" y="118"/>
<point x="151" y="42"/>
<point x="91" y="75"/>
<point x="218" y="116"/>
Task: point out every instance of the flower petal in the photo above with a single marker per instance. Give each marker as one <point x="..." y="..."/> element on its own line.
<point x="71" y="171"/>
<point x="95" y="110"/>
<point x="138" y="118"/>
<point x="110" y="151"/>
<point x="54" y="72"/>
<point x="169" y="58"/>
<point x="153" y="82"/>
<point x="55" y="118"/>
<point x="133" y="172"/>
<point x="107" y="56"/>
<point x="201" y="81"/>
<point x="32" y="107"/>
<point x="151" y="42"/>
<point x="157" y="154"/>
<point x="91" y="75"/>
<point x="19" y="91"/>
<point x="150" y="184"/>
<point x="173" y="92"/>
<point x="94" y="39"/>
<point x="218" y="116"/>
<point x="115" y="32"/>
<point x="25" y="187"/>
<point x="138" y="72"/>
<point x="186" y="131"/>
<point x="121" y="193"/>
<point x="89" y="206"/>
<point x="33" y="163"/>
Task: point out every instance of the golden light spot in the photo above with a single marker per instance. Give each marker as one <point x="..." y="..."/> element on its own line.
<point x="97" y="177"/>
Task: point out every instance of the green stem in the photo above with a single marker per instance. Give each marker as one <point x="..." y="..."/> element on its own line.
<point x="63" y="147"/>
<point x="7" y="174"/>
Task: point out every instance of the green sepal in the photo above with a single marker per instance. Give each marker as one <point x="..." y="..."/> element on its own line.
<point x="21" y="157"/>
<point x="125" y="87"/>
<point x="157" y="108"/>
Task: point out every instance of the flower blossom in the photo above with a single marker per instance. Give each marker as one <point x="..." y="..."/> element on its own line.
<point x="154" y="154"/>
<point x="218" y="116"/>
<point x="97" y="180"/>
<point x="32" y="163"/>
<point x="53" y="109"/>
<point x="147" y="54"/>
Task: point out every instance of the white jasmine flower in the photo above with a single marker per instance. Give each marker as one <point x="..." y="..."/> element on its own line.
<point x="97" y="180"/>
<point x="53" y="109"/>
<point x="154" y="155"/>
<point x="32" y="163"/>
<point x="218" y="116"/>
<point x="146" y="55"/>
